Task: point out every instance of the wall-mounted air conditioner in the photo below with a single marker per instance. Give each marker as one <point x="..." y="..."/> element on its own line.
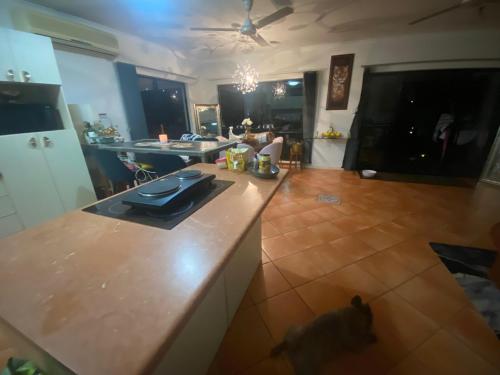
<point x="64" y="32"/>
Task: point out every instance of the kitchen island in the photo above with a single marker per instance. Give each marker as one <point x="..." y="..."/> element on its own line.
<point x="90" y="294"/>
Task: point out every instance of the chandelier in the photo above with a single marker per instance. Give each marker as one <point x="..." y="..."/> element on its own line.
<point x="246" y="78"/>
<point x="279" y="90"/>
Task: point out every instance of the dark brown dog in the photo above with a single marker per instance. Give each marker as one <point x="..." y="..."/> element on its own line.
<point x="311" y="346"/>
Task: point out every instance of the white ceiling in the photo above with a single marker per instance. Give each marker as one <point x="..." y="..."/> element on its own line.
<point x="314" y="21"/>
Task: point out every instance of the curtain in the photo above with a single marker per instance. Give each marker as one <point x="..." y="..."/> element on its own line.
<point x="132" y="101"/>
<point x="350" y="160"/>
<point x="309" y="113"/>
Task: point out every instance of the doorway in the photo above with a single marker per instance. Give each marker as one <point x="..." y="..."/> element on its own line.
<point x="435" y="122"/>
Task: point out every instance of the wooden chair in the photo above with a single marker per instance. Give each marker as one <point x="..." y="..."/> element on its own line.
<point x="296" y="154"/>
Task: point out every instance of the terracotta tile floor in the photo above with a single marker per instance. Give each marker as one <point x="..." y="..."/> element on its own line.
<point x="316" y="256"/>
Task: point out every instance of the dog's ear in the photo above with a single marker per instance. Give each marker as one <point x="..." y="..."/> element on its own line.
<point x="356" y="301"/>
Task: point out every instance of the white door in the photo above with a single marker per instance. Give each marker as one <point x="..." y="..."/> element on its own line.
<point x="27" y="178"/>
<point x="8" y="70"/>
<point x="35" y="59"/>
<point x="67" y="166"/>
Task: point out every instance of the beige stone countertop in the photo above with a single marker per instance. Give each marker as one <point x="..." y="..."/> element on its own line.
<point x="106" y="296"/>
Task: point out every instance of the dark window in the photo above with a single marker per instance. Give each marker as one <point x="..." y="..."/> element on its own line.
<point x="281" y="114"/>
<point x="164" y="103"/>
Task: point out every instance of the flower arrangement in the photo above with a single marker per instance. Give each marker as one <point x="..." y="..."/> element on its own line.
<point x="247" y="121"/>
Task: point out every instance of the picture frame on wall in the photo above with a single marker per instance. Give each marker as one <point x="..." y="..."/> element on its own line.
<point x="339" y="82"/>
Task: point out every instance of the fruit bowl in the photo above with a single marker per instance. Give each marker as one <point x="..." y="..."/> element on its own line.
<point x="331" y="134"/>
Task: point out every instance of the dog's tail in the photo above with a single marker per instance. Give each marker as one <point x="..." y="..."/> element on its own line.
<point x="276" y="351"/>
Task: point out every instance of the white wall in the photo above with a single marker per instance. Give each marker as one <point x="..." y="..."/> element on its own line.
<point x="92" y="80"/>
<point x="458" y="48"/>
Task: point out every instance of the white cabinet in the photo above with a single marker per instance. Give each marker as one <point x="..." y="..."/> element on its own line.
<point x="7" y="65"/>
<point x="201" y="340"/>
<point x="10" y="224"/>
<point x="10" y="221"/>
<point x="67" y="166"/>
<point x="26" y="175"/>
<point x="7" y="207"/>
<point x="26" y="57"/>
<point x="44" y="174"/>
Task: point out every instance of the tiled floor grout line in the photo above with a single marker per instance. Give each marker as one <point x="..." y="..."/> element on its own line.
<point x="413" y="350"/>
<point x="463" y="341"/>
<point x="328" y="273"/>
<point x="321" y="277"/>
<point x="293" y="288"/>
<point x="415" y="274"/>
<point x="417" y="233"/>
<point x="349" y="264"/>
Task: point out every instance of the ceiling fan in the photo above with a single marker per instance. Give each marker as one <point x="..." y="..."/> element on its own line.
<point x="248" y="27"/>
<point x="479" y="4"/>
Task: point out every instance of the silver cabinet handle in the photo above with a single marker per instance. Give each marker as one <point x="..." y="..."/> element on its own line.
<point x="32" y="142"/>
<point x="10" y="74"/>
<point x="47" y="142"/>
<point x="26" y="76"/>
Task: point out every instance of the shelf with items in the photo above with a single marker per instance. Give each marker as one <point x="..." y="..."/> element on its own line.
<point x="330" y="139"/>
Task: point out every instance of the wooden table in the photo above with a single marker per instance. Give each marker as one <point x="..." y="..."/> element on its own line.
<point x="202" y="149"/>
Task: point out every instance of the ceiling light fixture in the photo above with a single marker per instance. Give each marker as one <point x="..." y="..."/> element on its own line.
<point x="279" y="90"/>
<point x="246" y="78"/>
<point x="293" y="83"/>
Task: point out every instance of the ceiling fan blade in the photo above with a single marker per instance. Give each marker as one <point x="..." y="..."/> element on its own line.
<point x="213" y="29"/>
<point x="282" y="3"/>
<point x="260" y="40"/>
<point x="435" y="14"/>
<point x="279" y="14"/>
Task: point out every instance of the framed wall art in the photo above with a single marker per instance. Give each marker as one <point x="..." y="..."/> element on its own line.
<point x="339" y="81"/>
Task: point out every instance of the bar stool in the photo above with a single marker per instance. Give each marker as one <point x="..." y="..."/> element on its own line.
<point x="296" y="154"/>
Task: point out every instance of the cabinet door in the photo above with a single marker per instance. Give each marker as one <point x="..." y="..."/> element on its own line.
<point x="10" y="225"/>
<point x="67" y="166"/>
<point x="34" y="57"/>
<point x="27" y="178"/>
<point x="8" y="71"/>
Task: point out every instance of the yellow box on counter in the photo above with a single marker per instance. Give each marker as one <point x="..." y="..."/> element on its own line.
<point x="237" y="159"/>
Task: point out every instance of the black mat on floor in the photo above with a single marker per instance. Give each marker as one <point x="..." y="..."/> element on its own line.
<point x="470" y="267"/>
<point x="424" y="179"/>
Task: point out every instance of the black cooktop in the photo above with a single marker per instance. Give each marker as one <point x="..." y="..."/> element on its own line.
<point x="163" y="203"/>
<point x="168" y="192"/>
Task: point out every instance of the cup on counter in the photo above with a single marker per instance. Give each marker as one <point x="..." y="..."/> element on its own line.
<point x="264" y="162"/>
<point x="163" y="138"/>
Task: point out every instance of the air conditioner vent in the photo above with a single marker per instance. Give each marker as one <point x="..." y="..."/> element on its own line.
<point x="65" y="32"/>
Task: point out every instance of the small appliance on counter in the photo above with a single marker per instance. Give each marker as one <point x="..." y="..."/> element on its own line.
<point x="165" y="202"/>
<point x="168" y="192"/>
